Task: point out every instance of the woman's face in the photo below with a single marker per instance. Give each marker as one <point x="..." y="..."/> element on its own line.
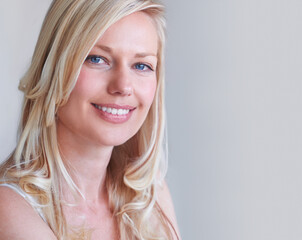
<point x="116" y="85"/>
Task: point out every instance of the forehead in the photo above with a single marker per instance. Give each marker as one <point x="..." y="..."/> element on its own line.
<point x="135" y="32"/>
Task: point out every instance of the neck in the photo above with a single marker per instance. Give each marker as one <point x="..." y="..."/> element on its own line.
<point x="87" y="165"/>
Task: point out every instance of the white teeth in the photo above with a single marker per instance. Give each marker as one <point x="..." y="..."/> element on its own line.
<point x="113" y="111"/>
<point x="120" y="112"/>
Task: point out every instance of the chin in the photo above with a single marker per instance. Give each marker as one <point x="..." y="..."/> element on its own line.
<point x="112" y="141"/>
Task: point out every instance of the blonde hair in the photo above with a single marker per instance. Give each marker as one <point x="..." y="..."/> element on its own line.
<point x="70" y="30"/>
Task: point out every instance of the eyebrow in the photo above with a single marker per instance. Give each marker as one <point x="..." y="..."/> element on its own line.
<point x="142" y="55"/>
<point x="137" y="55"/>
<point x="105" y="48"/>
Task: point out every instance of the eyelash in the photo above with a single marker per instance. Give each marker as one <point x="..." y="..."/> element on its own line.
<point x="95" y="56"/>
<point x="145" y="65"/>
<point x="105" y="60"/>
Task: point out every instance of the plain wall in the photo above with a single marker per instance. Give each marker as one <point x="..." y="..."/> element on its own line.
<point x="234" y="101"/>
<point x="20" y="23"/>
<point x="234" y="111"/>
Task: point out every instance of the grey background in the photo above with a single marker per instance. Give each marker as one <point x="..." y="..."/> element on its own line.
<point x="234" y="111"/>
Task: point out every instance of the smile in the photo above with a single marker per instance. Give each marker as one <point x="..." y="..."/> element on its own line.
<point x="113" y="111"/>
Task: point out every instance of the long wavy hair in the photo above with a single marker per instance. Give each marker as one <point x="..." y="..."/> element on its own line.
<point x="69" y="31"/>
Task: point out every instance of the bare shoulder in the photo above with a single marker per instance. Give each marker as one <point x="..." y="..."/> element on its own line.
<point x="18" y="220"/>
<point x="166" y="204"/>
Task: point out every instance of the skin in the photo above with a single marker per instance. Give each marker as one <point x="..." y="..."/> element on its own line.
<point x="120" y="69"/>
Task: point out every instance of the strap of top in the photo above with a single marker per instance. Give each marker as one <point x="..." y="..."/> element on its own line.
<point x="30" y="199"/>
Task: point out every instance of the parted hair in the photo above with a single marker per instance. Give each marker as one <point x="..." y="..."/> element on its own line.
<point x="136" y="168"/>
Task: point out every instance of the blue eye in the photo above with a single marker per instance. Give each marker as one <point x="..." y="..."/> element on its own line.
<point x="95" y="59"/>
<point x="142" y="67"/>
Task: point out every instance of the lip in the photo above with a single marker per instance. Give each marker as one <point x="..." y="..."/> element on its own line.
<point x="112" y="118"/>
<point x="112" y="105"/>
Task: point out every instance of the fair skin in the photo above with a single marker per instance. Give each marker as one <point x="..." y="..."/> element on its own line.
<point x="119" y="73"/>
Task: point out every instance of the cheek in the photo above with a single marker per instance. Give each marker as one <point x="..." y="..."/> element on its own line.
<point x="152" y="92"/>
<point x="86" y="84"/>
<point x="147" y="92"/>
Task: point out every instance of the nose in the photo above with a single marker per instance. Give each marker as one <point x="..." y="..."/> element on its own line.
<point x="120" y="82"/>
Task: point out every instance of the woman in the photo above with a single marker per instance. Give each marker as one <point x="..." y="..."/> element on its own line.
<point x="89" y="160"/>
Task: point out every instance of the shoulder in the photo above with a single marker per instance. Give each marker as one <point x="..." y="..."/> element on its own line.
<point x="166" y="204"/>
<point x="18" y="220"/>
